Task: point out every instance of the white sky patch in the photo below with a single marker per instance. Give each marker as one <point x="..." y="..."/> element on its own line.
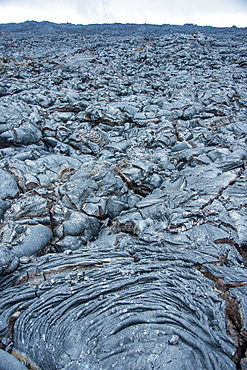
<point x="21" y="13"/>
<point x="221" y="13"/>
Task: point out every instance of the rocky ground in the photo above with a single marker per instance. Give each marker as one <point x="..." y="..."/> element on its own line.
<point x="123" y="197"/>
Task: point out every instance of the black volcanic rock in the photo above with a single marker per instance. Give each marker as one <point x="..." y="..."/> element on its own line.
<point x="123" y="196"/>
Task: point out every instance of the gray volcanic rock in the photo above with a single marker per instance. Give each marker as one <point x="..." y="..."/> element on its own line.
<point x="123" y="197"/>
<point x="8" y="186"/>
<point x="9" y="362"/>
<point x="8" y="261"/>
<point x="32" y="241"/>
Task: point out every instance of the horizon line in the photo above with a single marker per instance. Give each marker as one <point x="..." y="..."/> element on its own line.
<point x="120" y="23"/>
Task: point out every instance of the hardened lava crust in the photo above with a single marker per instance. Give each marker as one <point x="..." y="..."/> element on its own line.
<point x="123" y="156"/>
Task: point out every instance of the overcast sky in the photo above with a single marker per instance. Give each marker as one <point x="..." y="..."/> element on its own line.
<point x="221" y="13"/>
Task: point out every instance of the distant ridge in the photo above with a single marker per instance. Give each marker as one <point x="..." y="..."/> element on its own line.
<point x="112" y="28"/>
